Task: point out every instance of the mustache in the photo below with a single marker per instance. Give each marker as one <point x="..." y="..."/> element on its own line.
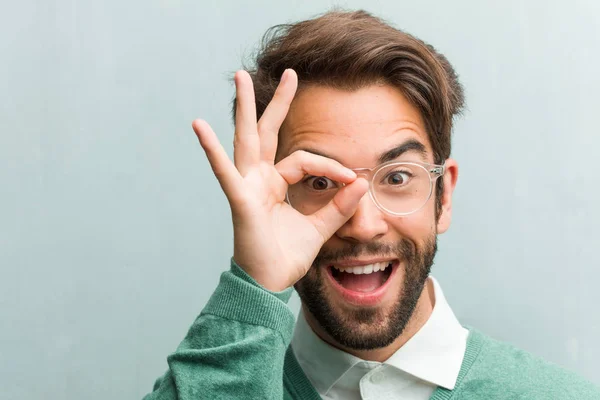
<point x="403" y="249"/>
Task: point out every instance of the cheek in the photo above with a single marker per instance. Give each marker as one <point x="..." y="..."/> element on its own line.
<point x="416" y="227"/>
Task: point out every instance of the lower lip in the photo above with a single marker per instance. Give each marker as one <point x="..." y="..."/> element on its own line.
<point x="363" y="299"/>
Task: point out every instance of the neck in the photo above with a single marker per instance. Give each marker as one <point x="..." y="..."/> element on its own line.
<point x="420" y="315"/>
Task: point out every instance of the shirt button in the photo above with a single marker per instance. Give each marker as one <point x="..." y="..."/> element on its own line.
<point x="377" y="377"/>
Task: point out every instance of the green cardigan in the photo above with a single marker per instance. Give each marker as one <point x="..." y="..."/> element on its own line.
<point x="239" y="348"/>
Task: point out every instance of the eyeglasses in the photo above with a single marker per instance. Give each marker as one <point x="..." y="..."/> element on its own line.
<point x="397" y="188"/>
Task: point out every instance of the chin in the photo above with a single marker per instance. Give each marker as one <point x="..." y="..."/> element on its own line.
<point x="360" y="308"/>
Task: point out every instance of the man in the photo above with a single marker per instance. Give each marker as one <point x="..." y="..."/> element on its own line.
<point x="339" y="187"/>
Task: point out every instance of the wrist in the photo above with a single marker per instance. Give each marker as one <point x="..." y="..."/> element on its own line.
<point x="282" y="291"/>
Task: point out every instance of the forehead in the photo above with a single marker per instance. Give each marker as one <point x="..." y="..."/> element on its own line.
<point x="353" y="127"/>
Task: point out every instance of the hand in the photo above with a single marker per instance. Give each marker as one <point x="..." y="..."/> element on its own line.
<point x="274" y="243"/>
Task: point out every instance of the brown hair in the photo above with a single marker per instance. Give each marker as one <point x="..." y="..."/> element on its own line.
<point x="350" y="50"/>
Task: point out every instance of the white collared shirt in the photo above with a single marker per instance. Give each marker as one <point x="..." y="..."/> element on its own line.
<point x="431" y="358"/>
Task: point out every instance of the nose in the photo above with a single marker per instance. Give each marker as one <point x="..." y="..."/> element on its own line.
<point x="367" y="224"/>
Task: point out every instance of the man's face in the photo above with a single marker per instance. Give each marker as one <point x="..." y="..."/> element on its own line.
<point x="369" y="310"/>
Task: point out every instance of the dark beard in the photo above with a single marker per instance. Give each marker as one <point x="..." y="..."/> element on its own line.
<point x="368" y="328"/>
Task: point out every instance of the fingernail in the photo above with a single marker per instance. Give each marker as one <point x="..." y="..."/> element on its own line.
<point x="350" y="174"/>
<point x="284" y="76"/>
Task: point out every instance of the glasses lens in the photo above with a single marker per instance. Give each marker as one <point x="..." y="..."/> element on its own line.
<point x="397" y="188"/>
<point x="402" y="188"/>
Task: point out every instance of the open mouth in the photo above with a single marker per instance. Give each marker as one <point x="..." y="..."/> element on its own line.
<point x="362" y="279"/>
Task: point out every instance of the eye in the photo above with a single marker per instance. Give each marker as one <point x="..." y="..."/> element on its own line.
<point x="398" y="178"/>
<point x="319" y="183"/>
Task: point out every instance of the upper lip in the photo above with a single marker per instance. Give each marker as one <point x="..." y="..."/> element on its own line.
<point x="360" y="263"/>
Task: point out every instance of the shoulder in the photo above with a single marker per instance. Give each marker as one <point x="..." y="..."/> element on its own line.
<point x="500" y="370"/>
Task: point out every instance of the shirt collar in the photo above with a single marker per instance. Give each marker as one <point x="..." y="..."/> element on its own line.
<point x="322" y="363"/>
<point x="434" y="354"/>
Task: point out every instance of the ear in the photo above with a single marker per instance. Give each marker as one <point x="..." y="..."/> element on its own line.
<point x="450" y="177"/>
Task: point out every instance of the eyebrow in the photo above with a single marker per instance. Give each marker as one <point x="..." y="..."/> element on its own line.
<point x="410" y="145"/>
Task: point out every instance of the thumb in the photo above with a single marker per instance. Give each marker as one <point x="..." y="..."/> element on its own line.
<point x="340" y="209"/>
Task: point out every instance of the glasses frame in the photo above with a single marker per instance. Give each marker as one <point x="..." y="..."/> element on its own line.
<point x="434" y="172"/>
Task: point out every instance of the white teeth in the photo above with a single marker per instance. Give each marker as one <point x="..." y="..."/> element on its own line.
<point x="365" y="269"/>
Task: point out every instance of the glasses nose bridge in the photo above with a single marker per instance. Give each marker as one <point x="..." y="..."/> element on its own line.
<point x="367" y="173"/>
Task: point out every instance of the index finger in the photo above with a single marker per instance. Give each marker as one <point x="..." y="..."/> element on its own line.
<point x="300" y="163"/>
<point x="275" y="113"/>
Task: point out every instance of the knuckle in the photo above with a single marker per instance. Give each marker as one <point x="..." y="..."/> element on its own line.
<point x="321" y="227"/>
<point x="300" y="155"/>
<point x="220" y="173"/>
<point x="337" y="208"/>
<point x="237" y="141"/>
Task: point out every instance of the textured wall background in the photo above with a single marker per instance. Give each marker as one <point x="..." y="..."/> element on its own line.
<point x="113" y="231"/>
